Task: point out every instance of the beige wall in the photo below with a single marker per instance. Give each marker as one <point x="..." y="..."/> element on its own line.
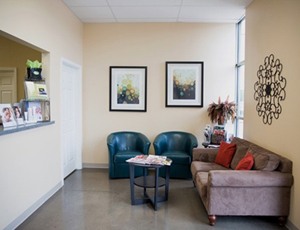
<point x="13" y="54"/>
<point x="151" y="45"/>
<point x="272" y="28"/>
<point x="30" y="165"/>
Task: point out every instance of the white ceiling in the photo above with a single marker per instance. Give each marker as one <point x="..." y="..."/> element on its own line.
<point x="101" y="11"/>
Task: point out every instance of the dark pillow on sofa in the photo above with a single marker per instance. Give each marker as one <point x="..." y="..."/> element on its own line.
<point x="240" y="152"/>
<point x="246" y="162"/>
<point x="264" y="161"/>
<point x="225" y="154"/>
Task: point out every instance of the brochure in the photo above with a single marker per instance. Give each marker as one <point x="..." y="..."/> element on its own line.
<point x="7" y="116"/>
<point x="18" y="114"/>
<point x="36" y="90"/>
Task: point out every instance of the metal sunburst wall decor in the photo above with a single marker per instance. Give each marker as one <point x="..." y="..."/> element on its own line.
<point x="269" y="89"/>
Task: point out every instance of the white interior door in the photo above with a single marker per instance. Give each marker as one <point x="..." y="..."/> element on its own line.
<point x="8" y="85"/>
<point x="71" y="109"/>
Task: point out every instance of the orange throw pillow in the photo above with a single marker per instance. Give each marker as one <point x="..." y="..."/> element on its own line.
<point x="225" y="154"/>
<point x="246" y="163"/>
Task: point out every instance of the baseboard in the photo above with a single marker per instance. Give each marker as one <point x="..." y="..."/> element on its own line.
<point x="98" y="166"/>
<point x="291" y="226"/>
<point x="20" y="219"/>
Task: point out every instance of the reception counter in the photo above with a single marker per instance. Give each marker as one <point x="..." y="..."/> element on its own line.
<point x="10" y="130"/>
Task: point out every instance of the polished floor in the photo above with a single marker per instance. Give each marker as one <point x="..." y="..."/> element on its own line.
<point x="89" y="200"/>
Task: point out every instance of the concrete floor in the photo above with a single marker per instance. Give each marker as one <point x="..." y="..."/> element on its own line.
<point x="89" y="200"/>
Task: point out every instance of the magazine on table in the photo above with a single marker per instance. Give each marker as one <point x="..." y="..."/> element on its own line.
<point x="150" y="159"/>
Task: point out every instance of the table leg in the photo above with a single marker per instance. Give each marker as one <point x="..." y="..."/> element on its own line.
<point x="167" y="182"/>
<point x="131" y="173"/>
<point x="145" y="181"/>
<point x="156" y="188"/>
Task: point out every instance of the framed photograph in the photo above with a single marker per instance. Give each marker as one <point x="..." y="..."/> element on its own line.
<point x="128" y="88"/>
<point x="184" y="84"/>
<point x="7" y="117"/>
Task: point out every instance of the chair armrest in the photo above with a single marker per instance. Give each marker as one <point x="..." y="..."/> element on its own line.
<point x="191" y="144"/>
<point x="206" y="155"/>
<point x="246" y="178"/>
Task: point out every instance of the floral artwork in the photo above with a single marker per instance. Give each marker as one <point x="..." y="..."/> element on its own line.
<point x="184" y="84"/>
<point x="269" y="89"/>
<point x="128" y="91"/>
<point x="128" y="88"/>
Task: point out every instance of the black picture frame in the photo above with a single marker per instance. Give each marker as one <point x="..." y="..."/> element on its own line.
<point x="128" y="88"/>
<point x="184" y="84"/>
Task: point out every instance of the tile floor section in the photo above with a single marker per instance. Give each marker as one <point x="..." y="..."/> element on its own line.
<point x="89" y="200"/>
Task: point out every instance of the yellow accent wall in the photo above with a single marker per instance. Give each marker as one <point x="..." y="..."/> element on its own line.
<point x="151" y="45"/>
<point x="272" y="28"/>
<point x="13" y="54"/>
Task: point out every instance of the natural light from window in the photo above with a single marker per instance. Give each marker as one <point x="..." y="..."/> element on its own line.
<point x="240" y="79"/>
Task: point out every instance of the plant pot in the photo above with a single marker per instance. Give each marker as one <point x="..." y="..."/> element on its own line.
<point x="34" y="74"/>
<point x="221" y="120"/>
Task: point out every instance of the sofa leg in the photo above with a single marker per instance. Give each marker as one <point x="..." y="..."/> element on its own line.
<point x="212" y="219"/>
<point x="282" y="220"/>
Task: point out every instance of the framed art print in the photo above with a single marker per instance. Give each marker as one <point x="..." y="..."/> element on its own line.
<point x="184" y="84"/>
<point x="128" y="88"/>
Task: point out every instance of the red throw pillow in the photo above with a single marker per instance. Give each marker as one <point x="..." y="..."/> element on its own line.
<point x="225" y="154"/>
<point x="246" y="163"/>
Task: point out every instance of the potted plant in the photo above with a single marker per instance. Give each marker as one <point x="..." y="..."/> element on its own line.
<point x="221" y="112"/>
<point x="34" y="69"/>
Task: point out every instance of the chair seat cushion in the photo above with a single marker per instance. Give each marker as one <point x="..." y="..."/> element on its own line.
<point x="121" y="157"/>
<point x="178" y="157"/>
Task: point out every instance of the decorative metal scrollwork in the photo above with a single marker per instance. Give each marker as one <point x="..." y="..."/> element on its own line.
<point x="269" y="89"/>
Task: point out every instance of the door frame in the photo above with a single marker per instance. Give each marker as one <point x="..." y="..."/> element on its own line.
<point x="78" y="115"/>
<point x="14" y="76"/>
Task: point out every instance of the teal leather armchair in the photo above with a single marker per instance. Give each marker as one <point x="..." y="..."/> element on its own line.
<point x="177" y="146"/>
<point x="121" y="147"/>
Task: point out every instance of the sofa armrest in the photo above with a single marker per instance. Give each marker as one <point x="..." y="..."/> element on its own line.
<point x="205" y="154"/>
<point x="245" y="178"/>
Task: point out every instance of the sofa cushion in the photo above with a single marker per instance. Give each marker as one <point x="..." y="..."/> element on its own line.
<point x="263" y="160"/>
<point x="246" y="162"/>
<point x="225" y="154"/>
<point x="205" y="154"/>
<point x="200" y="166"/>
<point x="240" y="152"/>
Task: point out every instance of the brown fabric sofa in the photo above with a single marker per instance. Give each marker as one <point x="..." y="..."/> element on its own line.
<point x="262" y="191"/>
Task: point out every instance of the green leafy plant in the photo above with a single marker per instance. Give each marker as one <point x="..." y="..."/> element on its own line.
<point x="33" y="64"/>
<point x="221" y="112"/>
